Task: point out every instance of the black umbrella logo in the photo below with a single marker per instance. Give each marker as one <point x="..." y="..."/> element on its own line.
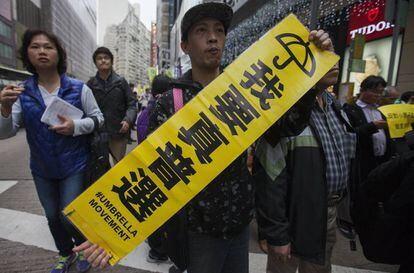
<point x="307" y="62"/>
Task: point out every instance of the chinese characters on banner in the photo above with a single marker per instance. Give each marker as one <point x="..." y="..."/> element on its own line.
<point x="188" y="151"/>
<point x="399" y="118"/>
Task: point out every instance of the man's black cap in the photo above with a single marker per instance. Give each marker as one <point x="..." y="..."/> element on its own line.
<point x="216" y="10"/>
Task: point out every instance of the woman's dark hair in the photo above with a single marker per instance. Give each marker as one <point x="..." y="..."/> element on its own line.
<point x="160" y="84"/>
<point x="102" y="50"/>
<point x="27" y="39"/>
<point x="372" y="82"/>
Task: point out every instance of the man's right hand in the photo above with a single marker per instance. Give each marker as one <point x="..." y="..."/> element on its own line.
<point x="8" y="96"/>
<point x="380" y="124"/>
<point x="279" y="253"/>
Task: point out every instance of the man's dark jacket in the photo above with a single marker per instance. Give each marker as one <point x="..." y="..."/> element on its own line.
<point x="292" y="193"/>
<point x="384" y="214"/>
<point x="116" y="101"/>
<point x="365" y="158"/>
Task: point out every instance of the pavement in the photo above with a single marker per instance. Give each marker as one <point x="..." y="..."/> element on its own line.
<point x="27" y="246"/>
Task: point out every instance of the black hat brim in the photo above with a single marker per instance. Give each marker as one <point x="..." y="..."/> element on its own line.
<point x="219" y="11"/>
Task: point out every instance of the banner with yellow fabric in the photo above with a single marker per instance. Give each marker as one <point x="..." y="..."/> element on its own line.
<point x="152" y="72"/>
<point x="399" y="118"/>
<point x="169" y="73"/>
<point x="190" y="149"/>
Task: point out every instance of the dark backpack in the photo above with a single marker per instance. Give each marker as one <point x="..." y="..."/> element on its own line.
<point x="380" y="231"/>
<point x="98" y="163"/>
<point x="375" y="204"/>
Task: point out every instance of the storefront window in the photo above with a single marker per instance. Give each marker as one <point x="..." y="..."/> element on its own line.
<point x="377" y="58"/>
<point x="5" y="30"/>
<point x="367" y="18"/>
<point x="6" y="51"/>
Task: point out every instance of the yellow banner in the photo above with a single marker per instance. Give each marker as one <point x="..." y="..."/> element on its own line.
<point x="140" y="90"/>
<point x="169" y="73"/>
<point x="189" y="150"/>
<point x="399" y="118"/>
<point x="152" y="72"/>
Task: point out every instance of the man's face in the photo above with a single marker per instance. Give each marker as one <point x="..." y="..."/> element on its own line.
<point x="372" y="95"/>
<point x="205" y="43"/>
<point x="103" y="62"/>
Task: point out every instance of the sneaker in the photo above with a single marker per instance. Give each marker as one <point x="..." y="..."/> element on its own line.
<point x="156" y="258"/>
<point x="82" y="265"/>
<point x="63" y="263"/>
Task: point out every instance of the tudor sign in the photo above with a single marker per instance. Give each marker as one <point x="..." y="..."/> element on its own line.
<point x="367" y="18"/>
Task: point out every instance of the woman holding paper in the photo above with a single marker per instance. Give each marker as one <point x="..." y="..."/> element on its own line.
<point x="58" y="153"/>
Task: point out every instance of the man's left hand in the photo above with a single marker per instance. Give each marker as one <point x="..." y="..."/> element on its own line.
<point x="66" y="128"/>
<point x="125" y="127"/>
<point x="321" y="39"/>
<point x="95" y="255"/>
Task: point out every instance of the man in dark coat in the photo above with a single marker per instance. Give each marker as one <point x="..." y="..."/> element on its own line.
<point x="299" y="182"/>
<point x="116" y="101"/>
<point x="374" y="146"/>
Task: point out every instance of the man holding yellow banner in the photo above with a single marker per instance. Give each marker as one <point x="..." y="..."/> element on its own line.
<point x="216" y="229"/>
<point x="300" y="181"/>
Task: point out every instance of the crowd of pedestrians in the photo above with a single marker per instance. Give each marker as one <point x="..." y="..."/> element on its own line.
<point x="315" y="156"/>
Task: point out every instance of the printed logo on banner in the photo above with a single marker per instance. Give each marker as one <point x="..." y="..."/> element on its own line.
<point x="288" y="40"/>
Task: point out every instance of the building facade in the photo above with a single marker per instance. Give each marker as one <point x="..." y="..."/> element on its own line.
<point x="117" y="11"/>
<point x="341" y="18"/>
<point x="164" y="11"/>
<point x="74" y="22"/>
<point x="405" y="78"/>
<point x="7" y="41"/>
<point x="110" y="37"/>
<point x="27" y="15"/>
<point x="130" y="43"/>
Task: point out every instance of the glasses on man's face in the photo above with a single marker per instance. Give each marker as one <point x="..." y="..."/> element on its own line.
<point x="105" y="58"/>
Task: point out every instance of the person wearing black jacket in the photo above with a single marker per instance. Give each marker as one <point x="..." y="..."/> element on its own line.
<point x="116" y="101"/>
<point x="384" y="211"/>
<point x="374" y="145"/>
<point x="299" y="182"/>
<point x="216" y="233"/>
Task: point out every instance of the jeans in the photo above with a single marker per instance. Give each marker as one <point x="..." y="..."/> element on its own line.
<point x="216" y="255"/>
<point x="55" y="195"/>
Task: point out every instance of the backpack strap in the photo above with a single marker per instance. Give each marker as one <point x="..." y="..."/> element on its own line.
<point x="178" y="99"/>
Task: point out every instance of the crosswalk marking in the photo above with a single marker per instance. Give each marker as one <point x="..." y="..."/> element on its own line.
<point x="32" y="230"/>
<point x="6" y="184"/>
